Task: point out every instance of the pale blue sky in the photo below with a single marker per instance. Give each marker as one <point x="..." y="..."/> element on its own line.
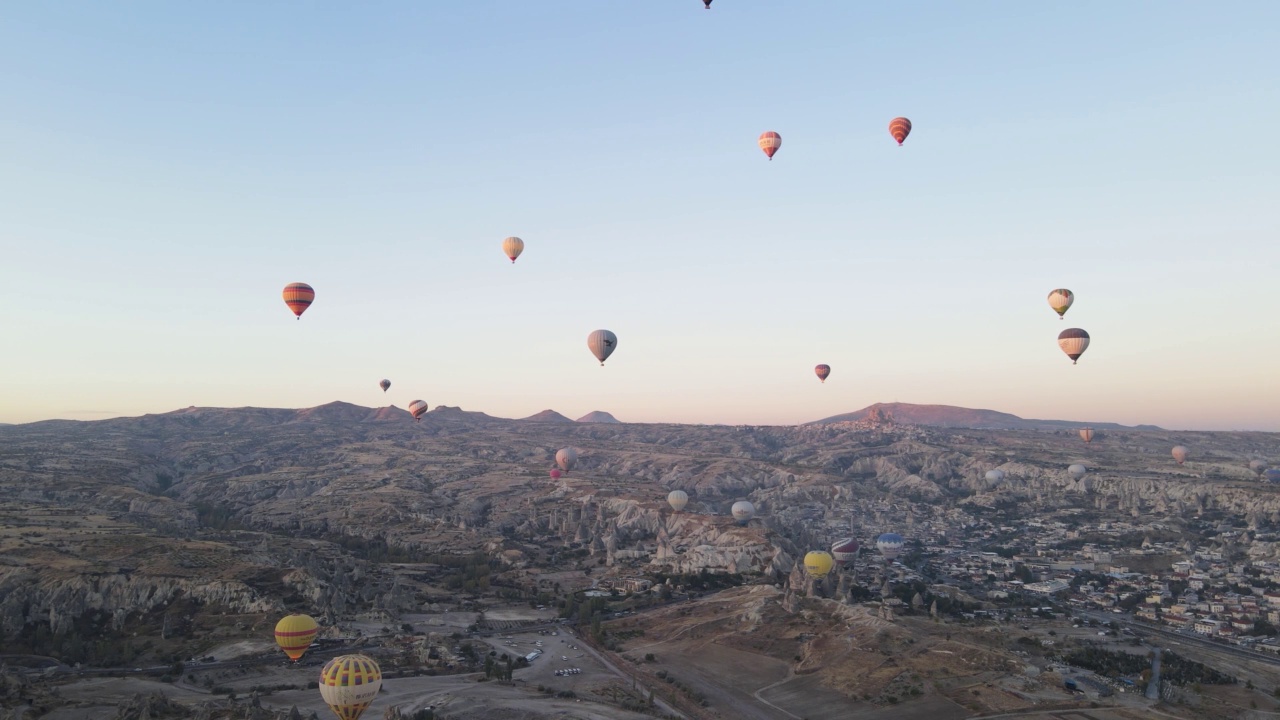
<point x="166" y="168"/>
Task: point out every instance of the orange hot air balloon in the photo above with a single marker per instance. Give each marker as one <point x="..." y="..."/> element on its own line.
<point x="295" y="633"/>
<point x="899" y="128"/>
<point x="298" y="296"/>
<point x="770" y="142"/>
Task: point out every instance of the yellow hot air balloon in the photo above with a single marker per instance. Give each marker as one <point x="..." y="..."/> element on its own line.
<point x="295" y="633"/>
<point x="818" y="563"/>
<point x="349" y="684"/>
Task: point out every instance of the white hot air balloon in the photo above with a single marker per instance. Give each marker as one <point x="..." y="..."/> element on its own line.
<point x="743" y="511"/>
<point x="1077" y="471"/>
<point x="566" y="458"/>
<point x="677" y="499"/>
<point x="994" y="477"/>
<point x="1179" y="454"/>
<point x="602" y="343"/>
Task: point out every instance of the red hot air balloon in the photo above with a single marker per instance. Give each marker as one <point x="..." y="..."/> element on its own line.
<point x="770" y="142"/>
<point x="899" y="128"/>
<point x="298" y="296"/>
<point x="555" y="474"/>
<point x="822" y="371"/>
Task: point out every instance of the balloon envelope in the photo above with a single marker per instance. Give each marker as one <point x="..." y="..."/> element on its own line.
<point x="349" y="684"/>
<point x="555" y="474"/>
<point x="1077" y="471"/>
<point x="513" y="246"/>
<point x="823" y="372"/>
<point x="417" y="408"/>
<point x="844" y="550"/>
<point x="1060" y="300"/>
<point x="1258" y="466"/>
<point x="1073" y="342"/>
<point x="566" y="458"/>
<point x="995" y="476"/>
<point x="889" y="545"/>
<point x="295" y="633"/>
<point x="385" y="385"/>
<point x="899" y="128"/>
<point x="743" y="511"/>
<point x="1179" y="454"/>
<point x="1086" y="434"/>
<point x="602" y="343"/>
<point x="677" y="499"/>
<point x="298" y="296"/>
<point x="770" y="142"/>
<point x="818" y="562"/>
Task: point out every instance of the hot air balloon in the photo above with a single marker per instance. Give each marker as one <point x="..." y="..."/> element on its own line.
<point x="1060" y="300"/>
<point x="385" y="385"/>
<point x="513" y="246"/>
<point x="823" y="372"/>
<point x="743" y="511"/>
<point x="1258" y="466"/>
<point x="1086" y="434"/>
<point x="349" y="684"/>
<point x="555" y="474"/>
<point x="677" y="499"/>
<point x="1179" y="454"/>
<point x="566" y="458"/>
<point x="899" y="128"/>
<point x="1077" y="471"/>
<point x="844" y="550"/>
<point x="1272" y="475"/>
<point x="417" y="408"/>
<point x="602" y="344"/>
<point x="994" y="477"/>
<point x="1073" y="342"/>
<point x="707" y="4"/>
<point x="889" y="545"/>
<point x="295" y="633"/>
<point x="770" y="142"/>
<point x="818" y="563"/>
<point x="298" y="296"/>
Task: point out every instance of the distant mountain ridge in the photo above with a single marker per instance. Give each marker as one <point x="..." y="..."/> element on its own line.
<point x="959" y="417"/>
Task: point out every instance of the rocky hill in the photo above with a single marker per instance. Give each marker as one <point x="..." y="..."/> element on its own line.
<point x="597" y="416"/>
<point x="958" y="417"/>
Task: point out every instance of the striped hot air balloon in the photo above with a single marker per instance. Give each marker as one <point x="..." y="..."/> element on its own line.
<point x="513" y="246"/>
<point x="822" y="371"/>
<point x="677" y="499"/>
<point x="1060" y="300"/>
<point x="844" y="550"/>
<point x="417" y="408"/>
<point x="890" y="545"/>
<point x="349" y="684"/>
<point x="899" y="128"/>
<point x="298" y="296"/>
<point x="1086" y="434"/>
<point x="818" y="563"/>
<point x="295" y="633"/>
<point x="770" y="142"/>
<point x="1073" y="342"/>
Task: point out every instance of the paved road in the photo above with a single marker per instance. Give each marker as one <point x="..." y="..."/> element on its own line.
<point x="1195" y="640"/>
